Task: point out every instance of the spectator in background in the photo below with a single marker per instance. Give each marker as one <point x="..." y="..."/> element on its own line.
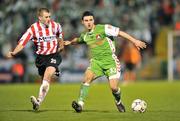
<point x="165" y="12"/>
<point x="18" y="71"/>
<point x="132" y="58"/>
<point x="176" y="18"/>
<point x="47" y="37"/>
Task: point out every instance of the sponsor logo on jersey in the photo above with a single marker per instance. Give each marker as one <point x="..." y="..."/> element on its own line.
<point x="46" y="38"/>
<point x="98" y="37"/>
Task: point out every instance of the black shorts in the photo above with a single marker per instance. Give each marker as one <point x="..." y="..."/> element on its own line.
<point x="43" y="61"/>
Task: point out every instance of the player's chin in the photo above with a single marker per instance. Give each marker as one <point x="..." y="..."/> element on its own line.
<point x="89" y="27"/>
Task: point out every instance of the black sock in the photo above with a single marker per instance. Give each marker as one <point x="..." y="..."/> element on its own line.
<point x="117" y="95"/>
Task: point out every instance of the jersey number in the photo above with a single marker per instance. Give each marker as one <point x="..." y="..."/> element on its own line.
<point x="53" y="60"/>
<point x="112" y="70"/>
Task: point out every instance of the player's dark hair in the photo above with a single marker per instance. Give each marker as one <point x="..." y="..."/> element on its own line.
<point x="87" y="13"/>
<point x="40" y="10"/>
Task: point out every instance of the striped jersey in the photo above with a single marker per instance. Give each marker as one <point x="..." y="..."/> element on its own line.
<point x="44" y="38"/>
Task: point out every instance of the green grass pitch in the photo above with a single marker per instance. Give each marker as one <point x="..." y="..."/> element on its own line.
<point x="163" y="101"/>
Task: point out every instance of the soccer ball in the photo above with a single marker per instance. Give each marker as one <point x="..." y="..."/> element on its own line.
<point x="139" y="105"/>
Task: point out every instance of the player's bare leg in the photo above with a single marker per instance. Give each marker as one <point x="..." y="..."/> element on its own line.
<point x="44" y="88"/>
<point x="117" y="94"/>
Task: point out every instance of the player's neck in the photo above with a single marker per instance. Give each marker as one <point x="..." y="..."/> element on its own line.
<point x="44" y="25"/>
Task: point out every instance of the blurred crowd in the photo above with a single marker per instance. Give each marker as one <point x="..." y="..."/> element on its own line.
<point x="141" y="18"/>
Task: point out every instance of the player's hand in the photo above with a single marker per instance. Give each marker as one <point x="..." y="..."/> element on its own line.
<point x="140" y="45"/>
<point x="67" y="42"/>
<point x="10" y="55"/>
<point x="61" y="48"/>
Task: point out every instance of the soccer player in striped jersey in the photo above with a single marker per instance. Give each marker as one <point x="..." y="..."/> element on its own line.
<point x="47" y="36"/>
<point x="103" y="59"/>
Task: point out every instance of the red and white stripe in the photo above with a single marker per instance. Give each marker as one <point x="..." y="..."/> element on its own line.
<point x="45" y="39"/>
<point x="118" y="65"/>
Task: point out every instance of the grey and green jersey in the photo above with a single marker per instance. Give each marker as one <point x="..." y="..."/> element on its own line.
<point x="102" y="49"/>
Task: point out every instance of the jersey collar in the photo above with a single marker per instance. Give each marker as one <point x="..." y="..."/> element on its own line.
<point x="92" y="30"/>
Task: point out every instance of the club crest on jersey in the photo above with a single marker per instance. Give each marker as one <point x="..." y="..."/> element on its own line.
<point x="98" y="37"/>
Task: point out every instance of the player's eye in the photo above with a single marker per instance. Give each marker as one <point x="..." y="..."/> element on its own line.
<point x="48" y="16"/>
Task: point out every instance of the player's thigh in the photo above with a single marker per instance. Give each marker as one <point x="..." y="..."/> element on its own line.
<point x="52" y="63"/>
<point x="96" y="68"/>
<point x="111" y="65"/>
<point x="49" y="72"/>
<point x="89" y="76"/>
<point x="44" y="61"/>
<point x="53" y="60"/>
<point x="40" y="63"/>
<point x="112" y="72"/>
<point x="113" y="77"/>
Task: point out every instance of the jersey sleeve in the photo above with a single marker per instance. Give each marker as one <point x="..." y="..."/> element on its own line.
<point x="26" y="37"/>
<point x="81" y="39"/>
<point x="59" y="31"/>
<point x="111" y="30"/>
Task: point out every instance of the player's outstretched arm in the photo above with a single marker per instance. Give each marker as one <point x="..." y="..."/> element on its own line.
<point x="73" y="41"/>
<point x="18" y="48"/>
<point x="61" y="44"/>
<point x="139" y="44"/>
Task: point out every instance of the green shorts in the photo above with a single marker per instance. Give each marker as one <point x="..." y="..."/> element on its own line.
<point x="108" y="67"/>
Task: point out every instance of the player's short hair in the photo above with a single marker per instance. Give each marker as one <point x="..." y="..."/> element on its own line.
<point x="40" y="10"/>
<point x="87" y="13"/>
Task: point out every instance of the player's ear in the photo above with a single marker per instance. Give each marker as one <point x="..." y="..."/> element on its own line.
<point x="40" y="18"/>
<point x="82" y="21"/>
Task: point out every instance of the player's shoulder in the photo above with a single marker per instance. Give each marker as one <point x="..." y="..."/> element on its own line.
<point x="109" y="26"/>
<point x="100" y="25"/>
<point x="34" y="24"/>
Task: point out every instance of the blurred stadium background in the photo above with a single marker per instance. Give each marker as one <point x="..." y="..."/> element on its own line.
<point x="147" y="20"/>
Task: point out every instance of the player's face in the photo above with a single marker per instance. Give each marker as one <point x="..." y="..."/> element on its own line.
<point x="45" y="18"/>
<point x="88" y="22"/>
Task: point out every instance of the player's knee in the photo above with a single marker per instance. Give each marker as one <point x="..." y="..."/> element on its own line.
<point x="48" y="76"/>
<point x="87" y="80"/>
<point x="89" y="77"/>
<point x="115" y="89"/>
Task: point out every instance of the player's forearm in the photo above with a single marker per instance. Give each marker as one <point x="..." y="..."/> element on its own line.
<point x="74" y="41"/>
<point x="17" y="49"/>
<point x="127" y="36"/>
